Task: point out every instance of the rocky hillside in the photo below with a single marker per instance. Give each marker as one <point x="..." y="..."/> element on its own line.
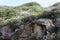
<point x="37" y="22"/>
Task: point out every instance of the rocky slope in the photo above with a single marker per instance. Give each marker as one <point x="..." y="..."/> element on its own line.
<point x="30" y="14"/>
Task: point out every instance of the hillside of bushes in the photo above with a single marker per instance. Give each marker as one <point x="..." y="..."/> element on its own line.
<point x="27" y="12"/>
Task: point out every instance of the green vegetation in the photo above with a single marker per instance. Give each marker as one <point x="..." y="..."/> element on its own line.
<point x="27" y="12"/>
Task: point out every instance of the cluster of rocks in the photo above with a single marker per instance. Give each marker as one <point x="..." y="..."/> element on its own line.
<point x="45" y="28"/>
<point x="41" y="29"/>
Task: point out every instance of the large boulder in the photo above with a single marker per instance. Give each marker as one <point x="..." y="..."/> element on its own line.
<point x="48" y="22"/>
